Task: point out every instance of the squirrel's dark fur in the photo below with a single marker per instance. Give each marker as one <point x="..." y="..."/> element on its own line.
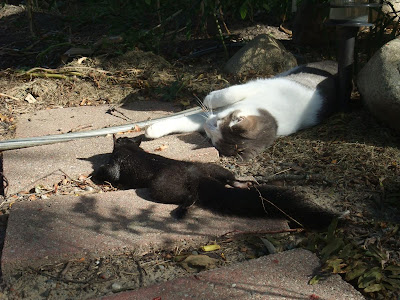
<point x="206" y="185"/>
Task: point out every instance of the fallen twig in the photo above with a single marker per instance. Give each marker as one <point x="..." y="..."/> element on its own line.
<point x="46" y="75"/>
<point x="65" y="270"/>
<point x="269" y="202"/>
<point x="8" y="96"/>
<point x="264" y="231"/>
<point x="51" y="73"/>
<point x="306" y="177"/>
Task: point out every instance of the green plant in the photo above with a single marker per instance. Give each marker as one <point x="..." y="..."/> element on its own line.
<point x="385" y="28"/>
<point x="170" y="92"/>
<point x="364" y="265"/>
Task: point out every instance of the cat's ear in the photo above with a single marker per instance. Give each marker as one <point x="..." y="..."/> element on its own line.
<point x="138" y="139"/>
<point x="248" y="127"/>
<point x="242" y="125"/>
<point x="114" y="138"/>
<point x="236" y="120"/>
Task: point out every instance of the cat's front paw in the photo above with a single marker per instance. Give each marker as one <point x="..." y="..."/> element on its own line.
<point x="209" y="100"/>
<point x="154" y="131"/>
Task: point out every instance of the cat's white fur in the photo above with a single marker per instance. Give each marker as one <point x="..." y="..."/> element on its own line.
<point x="293" y="106"/>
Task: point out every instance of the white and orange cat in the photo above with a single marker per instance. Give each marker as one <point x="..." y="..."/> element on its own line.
<point x="245" y="119"/>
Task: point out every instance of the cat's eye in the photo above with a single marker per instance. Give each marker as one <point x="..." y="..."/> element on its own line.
<point x="238" y="119"/>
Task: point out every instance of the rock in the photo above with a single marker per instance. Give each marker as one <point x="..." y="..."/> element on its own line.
<point x="30" y="99"/>
<point x="391" y="8"/>
<point x="379" y="84"/>
<point x="116" y="287"/>
<point x="75" y="52"/>
<point x="263" y="54"/>
<point x="89" y="188"/>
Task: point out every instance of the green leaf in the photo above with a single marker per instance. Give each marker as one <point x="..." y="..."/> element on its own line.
<point x="266" y="7"/>
<point x="333" y="246"/>
<point x="336" y="265"/>
<point x="347" y="251"/>
<point x="394" y="269"/>
<point x="356" y="272"/>
<point x="314" y="280"/>
<point x="364" y="282"/>
<point x="331" y="229"/>
<point x="148" y="2"/>
<point x="375" y="272"/>
<point x="374" y="288"/>
<point x="243" y="11"/>
<point x="390" y="287"/>
<point x="375" y="252"/>
<point x="393" y="282"/>
<point x="370" y="277"/>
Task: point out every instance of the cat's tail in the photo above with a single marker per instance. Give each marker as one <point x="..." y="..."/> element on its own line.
<point x="266" y="201"/>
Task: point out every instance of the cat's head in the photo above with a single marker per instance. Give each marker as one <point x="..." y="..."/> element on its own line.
<point x="239" y="134"/>
<point x="132" y="143"/>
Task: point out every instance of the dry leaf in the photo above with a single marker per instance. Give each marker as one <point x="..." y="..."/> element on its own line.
<point x="199" y="262"/>
<point x="161" y="148"/>
<point x="4" y="118"/>
<point x="210" y="247"/>
<point x="185" y="103"/>
<point x="81" y="60"/>
<point x="32" y="197"/>
<point x="82" y="177"/>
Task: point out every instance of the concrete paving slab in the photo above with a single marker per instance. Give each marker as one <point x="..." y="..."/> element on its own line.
<point x="280" y="276"/>
<point x="46" y="165"/>
<point x="69" y="227"/>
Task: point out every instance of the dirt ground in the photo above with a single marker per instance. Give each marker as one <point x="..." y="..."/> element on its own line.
<point x="350" y="162"/>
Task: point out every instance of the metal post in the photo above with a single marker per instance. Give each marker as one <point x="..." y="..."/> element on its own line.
<point x="346" y="40"/>
<point x="2" y="192"/>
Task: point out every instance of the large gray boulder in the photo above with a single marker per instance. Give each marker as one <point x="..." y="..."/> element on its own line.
<point x="392" y="9"/>
<point x="263" y="54"/>
<point x="379" y="84"/>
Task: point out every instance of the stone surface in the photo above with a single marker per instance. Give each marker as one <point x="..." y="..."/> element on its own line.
<point x="263" y="54"/>
<point x="70" y="227"/>
<point x="379" y="84"/>
<point x="392" y="9"/>
<point x="280" y="276"/>
<point x="46" y="165"/>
